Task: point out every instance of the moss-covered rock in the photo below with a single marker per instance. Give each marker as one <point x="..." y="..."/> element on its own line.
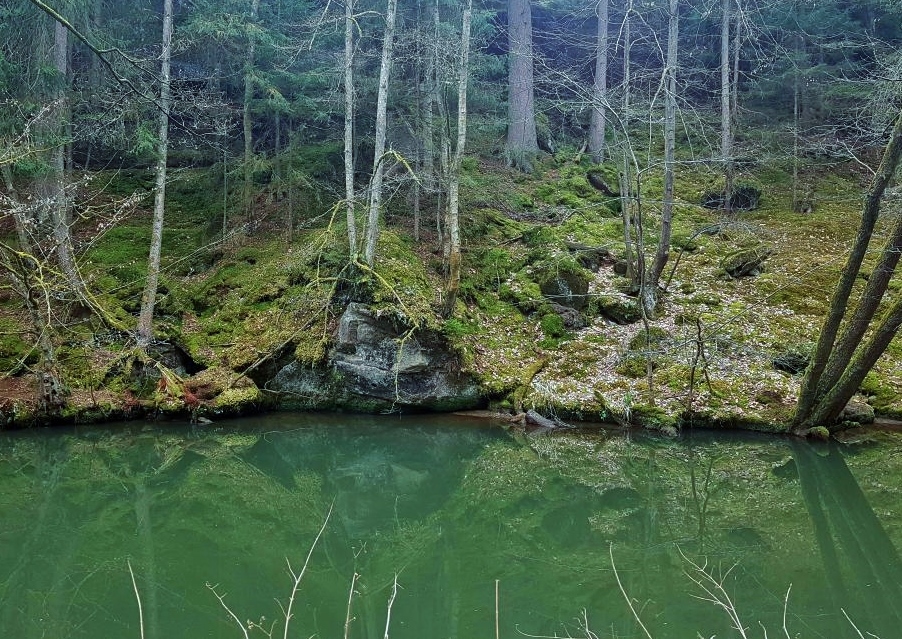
<point x="746" y="261"/>
<point x="620" y="309"/>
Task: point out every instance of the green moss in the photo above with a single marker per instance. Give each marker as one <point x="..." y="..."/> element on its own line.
<point x="881" y="395"/>
<point x="523" y="292"/>
<point x="655" y="418"/>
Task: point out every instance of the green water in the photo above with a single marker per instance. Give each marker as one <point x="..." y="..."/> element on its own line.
<point x="452" y="506"/>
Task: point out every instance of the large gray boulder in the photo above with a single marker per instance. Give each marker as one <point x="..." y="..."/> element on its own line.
<point x="374" y="365"/>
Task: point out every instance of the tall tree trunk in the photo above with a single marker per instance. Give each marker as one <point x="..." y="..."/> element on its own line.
<point x="522" y="142"/>
<point x="737" y="46"/>
<point x="444" y="143"/>
<point x="349" y="128"/>
<point x="59" y="202"/>
<point x="427" y="135"/>
<point x="662" y="253"/>
<point x="372" y="228"/>
<point x="819" y="405"/>
<point x="726" y="125"/>
<point x="600" y="88"/>
<point x="626" y="180"/>
<point x="796" y="112"/>
<point x="454" y="183"/>
<point x="148" y="299"/>
<point x="247" y="122"/>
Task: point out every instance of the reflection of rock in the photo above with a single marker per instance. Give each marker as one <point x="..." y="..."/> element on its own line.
<point x="375" y="365"/>
<point x="620" y="498"/>
<point x="568" y="524"/>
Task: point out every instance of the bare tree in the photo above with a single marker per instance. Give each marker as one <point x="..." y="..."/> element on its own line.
<point x="148" y="299"/>
<point x="372" y="228"/>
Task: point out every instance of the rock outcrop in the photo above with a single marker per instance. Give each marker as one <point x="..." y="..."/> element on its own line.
<point x="376" y="365"/>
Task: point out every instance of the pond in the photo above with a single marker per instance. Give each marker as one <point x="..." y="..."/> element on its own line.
<point x="488" y="534"/>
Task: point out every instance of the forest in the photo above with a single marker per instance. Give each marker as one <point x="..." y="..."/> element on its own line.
<point x="651" y="212"/>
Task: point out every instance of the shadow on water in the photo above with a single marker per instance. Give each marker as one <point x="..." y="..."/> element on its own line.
<point x="861" y="564"/>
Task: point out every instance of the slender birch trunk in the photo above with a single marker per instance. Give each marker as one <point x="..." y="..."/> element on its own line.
<point x="349" y="127"/>
<point x="148" y="299"/>
<point x="454" y="257"/>
<point x="372" y="227"/>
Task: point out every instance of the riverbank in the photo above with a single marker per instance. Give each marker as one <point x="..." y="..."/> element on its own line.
<point x="545" y="320"/>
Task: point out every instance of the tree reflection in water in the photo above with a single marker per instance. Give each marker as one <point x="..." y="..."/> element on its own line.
<point x="862" y="566"/>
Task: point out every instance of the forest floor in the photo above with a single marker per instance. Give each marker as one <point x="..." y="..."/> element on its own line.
<point x="713" y="354"/>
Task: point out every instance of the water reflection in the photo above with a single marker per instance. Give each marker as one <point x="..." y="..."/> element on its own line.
<point x="451" y="508"/>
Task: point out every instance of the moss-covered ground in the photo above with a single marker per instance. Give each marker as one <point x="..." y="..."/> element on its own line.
<point x="272" y="289"/>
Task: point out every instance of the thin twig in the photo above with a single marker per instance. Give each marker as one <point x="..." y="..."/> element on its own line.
<point x="785" y="606"/>
<point x="297" y="577"/>
<point x="226" y="607"/>
<point x="138" y="597"/>
<point x="350" y="599"/>
<point x="496" y="609"/>
<point x="852" y="623"/>
<point x="391" y="601"/>
<point x="626" y="596"/>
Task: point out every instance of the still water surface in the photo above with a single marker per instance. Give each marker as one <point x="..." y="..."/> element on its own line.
<point x="453" y="507"/>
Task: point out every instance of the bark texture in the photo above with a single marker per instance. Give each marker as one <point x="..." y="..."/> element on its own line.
<point x="838" y="367"/>
<point x="522" y="142"/>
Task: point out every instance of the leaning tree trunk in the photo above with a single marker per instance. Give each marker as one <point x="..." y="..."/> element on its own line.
<point x="349" y="127"/>
<point x="522" y="142"/>
<point x="148" y="299"/>
<point x="372" y="224"/>
<point x="600" y="92"/>
<point x="454" y="185"/>
<point x="821" y="398"/>
<point x="649" y="293"/>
